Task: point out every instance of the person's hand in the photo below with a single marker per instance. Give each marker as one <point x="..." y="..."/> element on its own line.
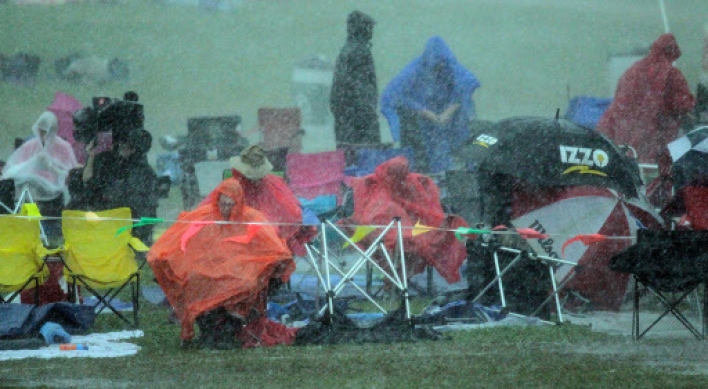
<point x="91" y="149"/>
<point x="430" y="115"/>
<point x="447" y="114"/>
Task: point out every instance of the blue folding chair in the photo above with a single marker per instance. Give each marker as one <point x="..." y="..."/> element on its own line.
<point x="367" y="159"/>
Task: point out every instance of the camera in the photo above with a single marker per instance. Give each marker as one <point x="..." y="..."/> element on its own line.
<point x="108" y="114"/>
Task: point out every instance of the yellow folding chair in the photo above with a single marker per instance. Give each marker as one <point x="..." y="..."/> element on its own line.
<point x="22" y="255"/>
<point x="99" y="255"/>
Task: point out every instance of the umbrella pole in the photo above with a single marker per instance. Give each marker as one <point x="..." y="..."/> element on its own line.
<point x="664" y="18"/>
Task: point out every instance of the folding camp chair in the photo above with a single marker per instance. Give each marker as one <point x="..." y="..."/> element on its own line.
<point x="317" y="174"/>
<point x="670" y="265"/>
<point x="8" y="205"/>
<point x="22" y="255"/>
<point x="7" y="196"/>
<point x="326" y="264"/>
<point x="516" y="256"/>
<point x="280" y="128"/>
<point x="99" y="255"/>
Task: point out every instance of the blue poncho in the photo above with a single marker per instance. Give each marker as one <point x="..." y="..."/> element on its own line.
<point x="418" y="87"/>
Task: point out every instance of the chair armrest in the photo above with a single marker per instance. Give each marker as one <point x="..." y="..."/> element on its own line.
<point x="138" y="245"/>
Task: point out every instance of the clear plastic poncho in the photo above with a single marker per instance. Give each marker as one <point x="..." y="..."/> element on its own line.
<point x="42" y="163"/>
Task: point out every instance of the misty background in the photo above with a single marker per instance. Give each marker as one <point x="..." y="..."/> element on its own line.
<point x="185" y="61"/>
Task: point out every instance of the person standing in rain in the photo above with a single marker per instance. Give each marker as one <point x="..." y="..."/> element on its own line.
<point x="429" y="106"/>
<point x="651" y="98"/>
<point x="354" y="95"/>
<point x="121" y="177"/>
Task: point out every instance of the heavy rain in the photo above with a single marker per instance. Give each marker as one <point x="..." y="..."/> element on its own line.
<point x="426" y="174"/>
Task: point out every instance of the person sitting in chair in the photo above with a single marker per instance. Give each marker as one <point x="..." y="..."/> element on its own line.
<point x="393" y="191"/>
<point x="270" y="195"/>
<point x="121" y="177"/>
<point x="215" y="266"/>
<point x="42" y="165"/>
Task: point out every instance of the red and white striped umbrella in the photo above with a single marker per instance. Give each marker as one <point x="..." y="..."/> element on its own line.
<point x="567" y="212"/>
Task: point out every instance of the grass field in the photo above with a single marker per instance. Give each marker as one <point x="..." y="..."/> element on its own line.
<point x="511" y="357"/>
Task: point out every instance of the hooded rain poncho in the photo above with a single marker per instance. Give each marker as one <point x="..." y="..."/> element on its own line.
<point x="202" y="264"/>
<point x="42" y="166"/>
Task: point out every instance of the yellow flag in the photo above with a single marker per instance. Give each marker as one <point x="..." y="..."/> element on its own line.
<point x="30" y="209"/>
<point x="420" y="229"/>
<point x="360" y="233"/>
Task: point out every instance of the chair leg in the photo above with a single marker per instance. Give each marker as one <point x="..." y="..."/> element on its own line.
<point x="107" y="297"/>
<point x="635" y="311"/>
<point x="136" y="299"/>
<point x="670" y="308"/>
<point x="704" y="314"/>
<point x="36" y="291"/>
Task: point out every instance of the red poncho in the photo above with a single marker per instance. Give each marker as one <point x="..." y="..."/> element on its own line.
<point x="650" y="99"/>
<point x="393" y="191"/>
<point x="272" y="196"/>
<point x="202" y="264"/>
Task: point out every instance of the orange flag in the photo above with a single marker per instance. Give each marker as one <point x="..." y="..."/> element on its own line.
<point x="530" y="233"/>
<point x="586" y="239"/>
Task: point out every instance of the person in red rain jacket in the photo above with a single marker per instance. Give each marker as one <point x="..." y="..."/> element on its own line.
<point x="651" y="98"/>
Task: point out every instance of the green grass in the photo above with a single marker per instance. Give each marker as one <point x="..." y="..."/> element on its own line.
<point x="521" y="357"/>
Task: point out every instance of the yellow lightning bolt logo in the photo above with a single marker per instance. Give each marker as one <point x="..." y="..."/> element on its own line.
<point x="583" y="170"/>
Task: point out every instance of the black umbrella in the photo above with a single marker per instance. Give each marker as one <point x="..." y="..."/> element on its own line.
<point x="551" y="152"/>
<point x="690" y="158"/>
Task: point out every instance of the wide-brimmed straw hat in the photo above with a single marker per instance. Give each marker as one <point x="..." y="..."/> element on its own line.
<point x="252" y="163"/>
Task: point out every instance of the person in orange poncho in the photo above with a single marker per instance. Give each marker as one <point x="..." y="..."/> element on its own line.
<point x="215" y="265"/>
<point x="393" y="191"/>
<point x="270" y="195"/>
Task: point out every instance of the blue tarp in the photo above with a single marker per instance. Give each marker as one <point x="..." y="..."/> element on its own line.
<point x="587" y="110"/>
<point x="25" y="320"/>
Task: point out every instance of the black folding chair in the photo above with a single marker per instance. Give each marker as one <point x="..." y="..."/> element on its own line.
<point x="671" y="265"/>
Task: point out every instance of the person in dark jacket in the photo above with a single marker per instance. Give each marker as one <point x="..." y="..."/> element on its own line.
<point x="118" y="178"/>
<point x="354" y="95"/>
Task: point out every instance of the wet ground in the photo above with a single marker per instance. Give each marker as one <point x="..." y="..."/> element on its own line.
<point x="668" y="345"/>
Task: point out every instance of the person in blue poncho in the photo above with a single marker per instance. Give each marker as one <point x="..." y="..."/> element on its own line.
<point x="429" y="106"/>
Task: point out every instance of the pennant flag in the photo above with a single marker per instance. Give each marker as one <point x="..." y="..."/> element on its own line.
<point x="144" y="221"/>
<point x="30" y="209"/>
<point x="192" y="230"/>
<point x="586" y="239"/>
<point x="360" y="233"/>
<point x="419" y="229"/>
<point x="251" y="232"/>
<point x="530" y="233"/>
<point x="469" y="231"/>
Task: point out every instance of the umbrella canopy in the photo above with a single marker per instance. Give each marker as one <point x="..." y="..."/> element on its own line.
<point x="690" y="158"/>
<point x="551" y="152"/>
<point x="566" y="212"/>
